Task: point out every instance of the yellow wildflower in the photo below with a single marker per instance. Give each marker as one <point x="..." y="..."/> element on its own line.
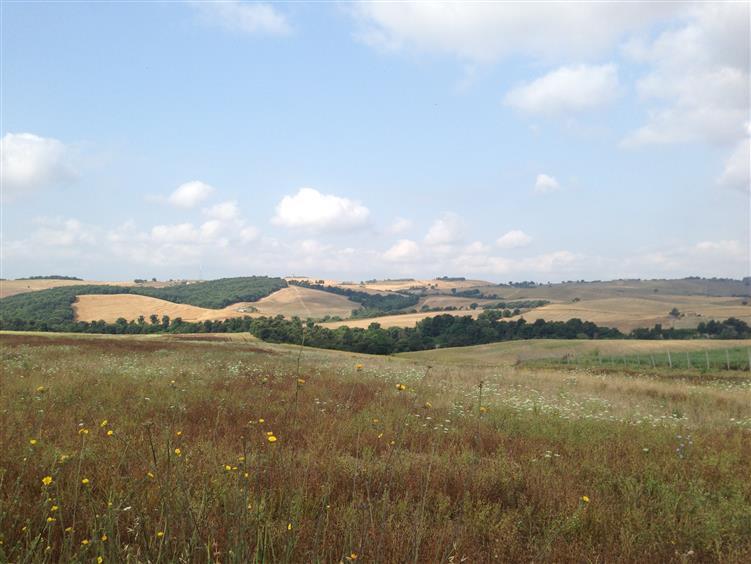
<point x="227" y="467"/>
<point x="241" y="458"/>
<point x="179" y="433"/>
<point x="110" y="433"/>
<point x="83" y="431"/>
<point x="300" y="381"/>
<point x="483" y="409"/>
<point x="160" y="534"/>
<point x="99" y="560"/>
<point x="40" y="389"/>
<point x="50" y="519"/>
<point x="32" y="442"/>
<point x="47" y="480"/>
<point x="289" y="526"/>
<point x="353" y="556"/>
<point x="358" y="367"/>
<point x="262" y="420"/>
<point x="54" y="508"/>
<point x="104" y="537"/>
<point x="178" y="452"/>
<point x="85" y="542"/>
<point x="271" y="438"/>
<point x="85" y="482"/>
<point x="585" y="499"/>
<point x="103" y="423"/>
<point x="427" y="405"/>
<point x="68" y="529"/>
<point x="401" y="387"/>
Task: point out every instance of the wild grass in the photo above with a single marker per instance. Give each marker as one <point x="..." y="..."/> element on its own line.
<point x="159" y="451"/>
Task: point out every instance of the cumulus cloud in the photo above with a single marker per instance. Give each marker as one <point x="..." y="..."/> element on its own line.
<point x="488" y="32"/>
<point x="190" y="194"/>
<point x="312" y="210"/>
<point x="737" y="171"/>
<point x="30" y="163"/>
<point x="567" y="89"/>
<point x="223" y="210"/>
<point x="698" y="83"/>
<point x="446" y="230"/>
<point x="514" y="239"/>
<point x="399" y="225"/>
<point x="244" y="17"/>
<point x="402" y="250"/>
<point x="545" y="184"/>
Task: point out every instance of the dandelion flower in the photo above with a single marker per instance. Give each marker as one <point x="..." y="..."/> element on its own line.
<point x="262" y="420"/>
<point x="85" y="542"/>
<point x="271" y="438"/>
<point x="68" y="529"/>
<point x="99" y="560"/>
<point x="227" y="467"/>
<point x="178" y="452"/>
<point x="110" y="433"/>
<point x="103" y="423"/>
<point x="150" y="475"/>
<point x="47" y="480"/>
<point x="401" y="387"/>
<point x="179" y="434"/>
<point x="104" y="537"/>
<point x="54" y="508"/>
<point x="241" y="458"/>
<point x="585" y="499"/>
<point x="83" y="431"/>
<point x="160" y="534"/>
<point x="269" y="433"/>
<point x="353" y="556"/>
<point x="289" y="526"/>
<point x="51" y="519"/>
<point x="32" y="441"/>
<point x="85" y="482"/>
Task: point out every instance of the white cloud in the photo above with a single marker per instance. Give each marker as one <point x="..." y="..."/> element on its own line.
<point x="402" y="250"/>
<point x="567" y="89"/>
<point x="737" y="171"/>
<point x="446" y="230"/>
<point x="30" y="162"/>
<point x="486" y="32"/>
<point x="726" y="247"/>
<point x="399" y="225"/>
<point x="224" y="211"/>
<point x="190" y="194"/>
<point x="313" y="210"/>
<point x="514" y="239"/>
<point x="698" y="82"/>
<point x="178" y="233"/>
<point x="253" y="18"/>
<point x="545" y="184"/>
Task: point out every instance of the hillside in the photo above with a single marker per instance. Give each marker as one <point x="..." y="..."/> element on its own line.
<point x="53" y="306"/>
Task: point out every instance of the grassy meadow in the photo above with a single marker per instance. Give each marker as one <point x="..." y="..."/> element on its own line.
<point x="157" y="449"/>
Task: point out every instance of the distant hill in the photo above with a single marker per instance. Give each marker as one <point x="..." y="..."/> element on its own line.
<point x="54" y="306"/>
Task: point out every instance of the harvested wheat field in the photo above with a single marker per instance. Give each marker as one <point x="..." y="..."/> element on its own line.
<point x="632" y="313"/>
<point x="305" y="303"/>
<point x="13" y="287"/>
<point x="291" y="301"/>
<point x="110" y="307"/>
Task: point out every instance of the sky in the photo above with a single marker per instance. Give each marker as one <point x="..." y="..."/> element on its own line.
<point x="502" y="141"/>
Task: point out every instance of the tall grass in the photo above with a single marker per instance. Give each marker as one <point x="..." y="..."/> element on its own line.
<point x="387" y="461"/>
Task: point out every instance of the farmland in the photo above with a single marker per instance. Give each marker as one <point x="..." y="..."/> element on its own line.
<point x="157" y="448"/>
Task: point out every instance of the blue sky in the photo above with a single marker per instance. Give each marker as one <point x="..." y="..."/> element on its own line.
<point x="354" y="140"/>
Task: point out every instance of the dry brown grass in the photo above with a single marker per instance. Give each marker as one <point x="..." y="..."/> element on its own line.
<point x="13" y="287"/>
<point x="402" y="320"/>
<point x="305" y="303"/>
<point x="360" y="468"/>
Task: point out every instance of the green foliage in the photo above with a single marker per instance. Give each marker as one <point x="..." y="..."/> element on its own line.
<point x="51" y="309"/>
<point x="50" y="277"/>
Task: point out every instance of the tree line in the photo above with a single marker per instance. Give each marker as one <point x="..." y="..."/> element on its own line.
<point x="433" y="332"/>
